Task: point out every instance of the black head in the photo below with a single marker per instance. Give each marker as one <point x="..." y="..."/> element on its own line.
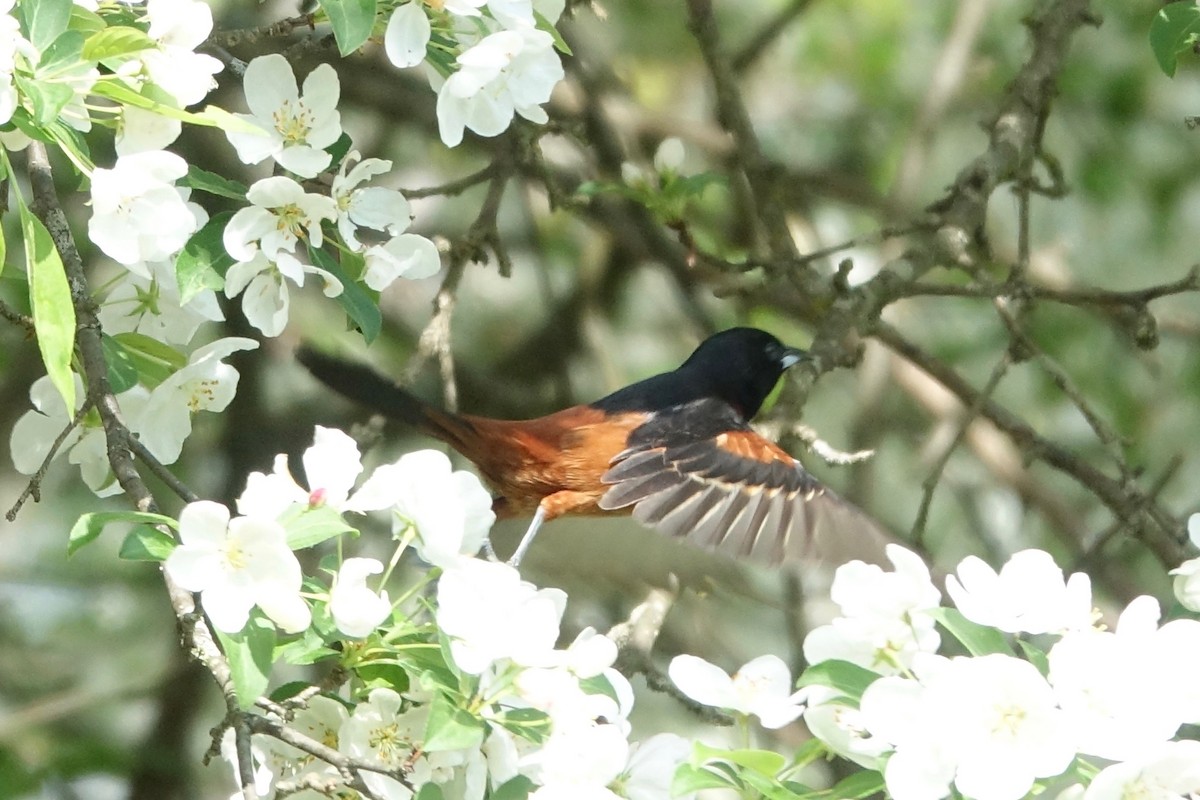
<point x="740" y="366"/>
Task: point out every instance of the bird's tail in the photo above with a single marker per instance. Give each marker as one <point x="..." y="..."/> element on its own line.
<point x="365" y="386"/>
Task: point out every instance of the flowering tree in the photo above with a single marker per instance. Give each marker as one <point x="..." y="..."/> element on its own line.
<point x="154" y="267"/>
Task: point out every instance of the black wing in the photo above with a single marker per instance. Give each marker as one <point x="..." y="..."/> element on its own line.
<point x="700" y="472"/>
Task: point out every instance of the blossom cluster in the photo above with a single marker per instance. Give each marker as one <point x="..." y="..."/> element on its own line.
<point x="556" y="717"/>
<point x="994" y="725"/>
<point x="505" y="61"/>
<point x="161" y="417"/>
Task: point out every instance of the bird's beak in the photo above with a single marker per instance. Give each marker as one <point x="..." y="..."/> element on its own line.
<point x="792" y="356"/>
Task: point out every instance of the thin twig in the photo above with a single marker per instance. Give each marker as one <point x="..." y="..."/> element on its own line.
<point x="16" y="317"/>
<point x="760" y="42"/>
<point x="1105" y="433"/>
<point x="731" y="110"/>
<point x="970" y="414"/>
<point x="1160" y="532"/>
<point x="161" y="471"/>
<point x="452" y="188"/>
<point x="33" y="488"/>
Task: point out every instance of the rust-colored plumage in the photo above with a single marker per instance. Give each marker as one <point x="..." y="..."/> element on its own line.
<point x="676" y="450"/>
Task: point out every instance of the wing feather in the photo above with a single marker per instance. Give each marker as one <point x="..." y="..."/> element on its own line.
<point x="724" y="487"/>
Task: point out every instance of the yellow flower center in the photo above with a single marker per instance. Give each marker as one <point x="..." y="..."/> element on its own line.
<point x="235" y="556"/>
<point x="291" y="218"/>
<point x="389" y="743"/>
<point x="293" y="121"/>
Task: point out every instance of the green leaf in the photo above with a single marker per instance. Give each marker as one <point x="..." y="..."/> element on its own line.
<point x="289" y="690"/>
<point x="528" y="723"/>
<point x="213" y="183"/>
<point x="50" y="300"/>
<point x="979" y="640"/>
<point x="543" y="24"/>
<point x="249" y="653"/>
<point x="313" y="525"/>
<point x="430" y="791"/>
<point x="211" y="116"/>
<point x="44" y="20"/>
<point x="122" y="369"/>
<point x="64" y="53"/>
<point x="85" y="21"/>
<point x="133" y="340"/>
<point x="352" y="22"/>
<point x="850" y="680"/>
<point x="1036" y="656"/>
<point x="144" y="543"/>
<point x="518" y="788"/>
<point x="1173" y="31"/>
<point x="859" y="785"/>
<point x="203" y="261"/>
<point x="339" y="149"/>
<point x="768" y="787"/>
<point x="119" y="40"/>
<point x="763" y="761"/>
<point x="308" y="649"/>
<point x="90" y="525"/>
<point x="47" y="99"/>
<point x="689" y="779"/>
<point x="391" y="676"/>
<point x="450" y="727"/>
<point x="155" y="360"/>
<point x="72" y="143"/>
<point x="357" y="302"/>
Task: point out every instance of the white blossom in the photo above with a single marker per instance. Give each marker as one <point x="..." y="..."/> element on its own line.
<point x="356" y="609"/>
<point x="651" y="768"/>
<point x="205" y="383"/>
<point x="450" y="510"/>
<point x="989" y="725"/>
<point x="332" y="465"/>
<point x="511" y="71"/>
<point x="579" y="763"/>
<point x="1028" y="595"/>
<point x="762" y="687"/>
<point x="1128" y="690"/>
<point x="885" y="621"/>
<point x="1170" y="771"/>
<point x="137" y="213"/>
<point x="264" y="776"/>
<point x="367" y="206"/>
<point x="669" y="155"/>
<point x="842" y="729"/>
<point x="140" y="131"/>
<point x="405" y="256"/>
<point x="279" y="216"/>
<point x="1187" y="574"/>
<point x="379" y="732"/>
<point x="295" y="127"/>
<point x="263" y="237"/>
<point x="407" y="36"/>
<point x="150" y="306"/>
<point x="12" y="44"/>
<point x="178" y="27"/>
<point x="490" y="614"/>
<point x="236" y="565"/>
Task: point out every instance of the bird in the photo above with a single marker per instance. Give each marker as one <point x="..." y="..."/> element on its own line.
<point x="676" y="450"/>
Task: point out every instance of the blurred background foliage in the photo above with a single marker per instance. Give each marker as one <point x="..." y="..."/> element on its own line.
<point x="868" y="110"/>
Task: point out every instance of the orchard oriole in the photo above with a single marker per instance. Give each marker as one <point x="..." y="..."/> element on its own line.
<point x="677" y="449"/>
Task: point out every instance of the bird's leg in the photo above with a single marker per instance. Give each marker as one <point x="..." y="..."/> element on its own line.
<point x="538" y="518"/>
<point x="490" y="552"/>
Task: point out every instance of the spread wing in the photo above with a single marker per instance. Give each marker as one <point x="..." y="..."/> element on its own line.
<point x="700" y="472"/>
